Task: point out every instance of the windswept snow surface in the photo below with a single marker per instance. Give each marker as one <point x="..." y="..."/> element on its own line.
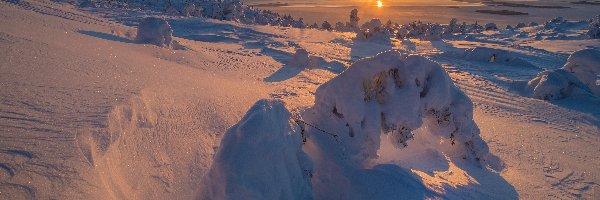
<point x="88" y="112"/>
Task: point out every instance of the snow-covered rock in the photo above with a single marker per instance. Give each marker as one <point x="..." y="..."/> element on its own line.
<point x="554" y="84"/>
<point x="261" y="158"/>
<point x="585" y="65"/>
<point x="521" y="25"/>
<point x="395" y="94"/>
<point x="155" y="31"/>
<point x="484" y="54"/>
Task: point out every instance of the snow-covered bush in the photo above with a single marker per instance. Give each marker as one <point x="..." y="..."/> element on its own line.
<point x="374" y="31"/>
<point x="491" y="26"/>
<point x="594" y="28"/>
<point x="326" y="26"/>
<point x="172" y="10"/>
<point x="521" y="25"/>
<point x="395" y="94"/>
<point x="261" y="157"/>
<point x="374" y="36"/>
<point x="533" y="24"/>
<point x="191" y="10"/>
<point x="372" y="24"/>
<point x="554" y="84"/>
<point x="585" y="65"/>
<point x="554" y="23"/>
<point x="484" y="54"/>
<point x="155" y="31"/>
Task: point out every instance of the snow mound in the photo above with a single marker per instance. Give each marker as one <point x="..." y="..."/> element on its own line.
<point x="585" y="65"/>
<point x="155" y="31"/>
<point x="484" y="54"/>
<point x="261" y="158"/>
<point x="300" y="58"/>
<point x="554" y="84"/>
<point x="396" y="94"/>
<point x="579" y="75"/>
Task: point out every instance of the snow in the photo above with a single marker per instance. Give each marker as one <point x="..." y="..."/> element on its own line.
<point x="555" y="84"/>
<point x="155" y="31"/>
<point x="239" y="170"/>
<point x="390" y="94"/>
<point x="496" y="56"/>
<point x="585" y="65"/>
<point x="87" y="112"/>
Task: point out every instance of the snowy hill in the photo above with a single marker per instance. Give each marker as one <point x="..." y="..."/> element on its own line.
<point x="238" y="109"/>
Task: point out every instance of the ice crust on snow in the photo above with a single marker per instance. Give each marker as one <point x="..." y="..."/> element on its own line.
<point x="261" y="158"/>
<point x="395" y="94"/>
<point x="155" y="31"/>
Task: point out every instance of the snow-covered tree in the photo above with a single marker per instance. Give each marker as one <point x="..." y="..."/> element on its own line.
<point x="491" y="26"/>
<point x="354" y="19"/>
<point x="326" y="26"/>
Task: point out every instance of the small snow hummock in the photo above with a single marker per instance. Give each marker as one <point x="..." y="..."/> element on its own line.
<point x="396" y="94"/>
<point x="155" y="31"/>
<point x="585" y="65"/>
<point x="554" y="84"/>
<point x="499" y="56"/>
<point x="300" y="58"/>
<point x="579" y="75"/>
<point x="261" y="157"/>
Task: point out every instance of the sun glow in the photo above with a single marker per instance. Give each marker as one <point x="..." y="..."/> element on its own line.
<point x="379" y="4"/>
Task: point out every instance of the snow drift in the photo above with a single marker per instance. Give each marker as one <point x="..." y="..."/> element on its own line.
<point x="261" y="158"/>
<point x="155" y="31"/>
<point x="484" y="54"/>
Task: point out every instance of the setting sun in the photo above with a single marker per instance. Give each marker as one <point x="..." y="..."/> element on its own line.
<point x="379" y="4"/>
